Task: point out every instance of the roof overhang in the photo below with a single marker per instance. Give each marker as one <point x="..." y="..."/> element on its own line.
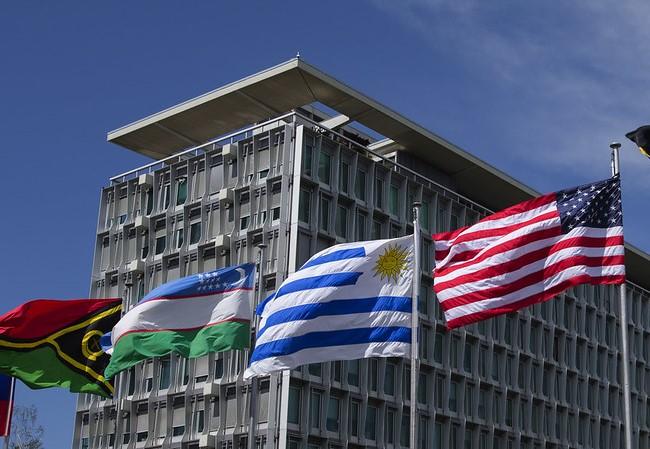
<point x="295" y="83"/>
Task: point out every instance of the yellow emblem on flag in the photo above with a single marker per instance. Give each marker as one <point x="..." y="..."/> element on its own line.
<point x="391" y="263"/>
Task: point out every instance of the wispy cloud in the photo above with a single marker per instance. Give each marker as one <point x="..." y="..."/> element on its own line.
<point x="579" y="67"/>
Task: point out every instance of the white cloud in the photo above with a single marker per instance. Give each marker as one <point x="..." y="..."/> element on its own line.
<point x="580" y="66"/>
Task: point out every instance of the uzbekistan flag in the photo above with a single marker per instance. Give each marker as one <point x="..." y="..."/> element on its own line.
<point x="49" y="343"/>
<point x="194" y="315"/>
<point x="7" y="385"/>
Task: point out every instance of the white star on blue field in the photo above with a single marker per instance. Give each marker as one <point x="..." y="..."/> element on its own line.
<point x="537" y="89"/>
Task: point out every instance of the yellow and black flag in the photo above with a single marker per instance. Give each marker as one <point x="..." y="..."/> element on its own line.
<point x="48" y="343"/>
<point x="641" y="136"/>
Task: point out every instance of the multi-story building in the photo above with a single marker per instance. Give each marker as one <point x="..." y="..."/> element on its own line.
<point x="279" y="158"/>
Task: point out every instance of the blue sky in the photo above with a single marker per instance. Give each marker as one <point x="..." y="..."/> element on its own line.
<point x="536" y="88"/>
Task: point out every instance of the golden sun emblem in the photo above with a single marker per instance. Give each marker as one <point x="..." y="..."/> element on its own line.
<point x="391" y="263"/>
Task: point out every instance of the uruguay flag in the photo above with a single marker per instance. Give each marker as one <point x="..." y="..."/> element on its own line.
<point x="347" y="302"/>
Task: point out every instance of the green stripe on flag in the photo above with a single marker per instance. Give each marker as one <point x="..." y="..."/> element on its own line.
<point x="41" y="368"/>
<point x="137" y="346"/>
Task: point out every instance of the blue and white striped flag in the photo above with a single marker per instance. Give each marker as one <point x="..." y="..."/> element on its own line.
<point x="347" y="302"/>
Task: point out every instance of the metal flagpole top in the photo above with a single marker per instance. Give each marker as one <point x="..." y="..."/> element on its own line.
<point x="615" y="145"/>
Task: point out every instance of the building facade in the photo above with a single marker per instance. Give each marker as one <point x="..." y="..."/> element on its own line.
<point x="289" y="175"/>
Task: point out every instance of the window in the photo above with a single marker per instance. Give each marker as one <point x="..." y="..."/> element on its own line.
<point x="179" y="238"/>
<point x="315" y="369"/>
<point x="243" y="222"/>
<point x="354" y="418"/>
<point x="332" y="422"/>
<point x="177" y="431"/>
<point x="344" y="173"/>
<point x="324" y="214"/>
<point x="294" y="405"/>
<point x="376" y="230"/>
<point x="393" y="200"/>
<point x="389" y="379"/>
<point x="160" y="244"/>
<point x="424" y="215"/>
<point x="373" y="371"/>
<point x="181" y="191"/>
<point x="218" y="368"/>
<point x="361" y="226"/>
<point x="453" y="396"/>
<point x="199" y="420"/>
<point x="304" y="206"/>
<point x="353" y="372"/>
<point x="422" y="388"/>
<point x="141" y="436"/>
<point x="165" y="371"/>
<point x="263" y="174"/>
<point x="342" y="222"/>
<point x="324" y="167"/>
<point x="166" y="189"/>
<point x="314" y="409"/>
<point x="404" y="430"/>
<point x="360" y="185"/>
<point x="84" y="443"/>
<point x="306" y="160"/>
<point x="389" y="426"/>
<point x="379" y="193"/>
<point x="149" y="201"/>
<point x="371" y="423"/>
<point x="195" y="232"/>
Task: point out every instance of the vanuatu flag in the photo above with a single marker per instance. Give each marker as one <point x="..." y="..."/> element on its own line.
<point x="47" y="343"/>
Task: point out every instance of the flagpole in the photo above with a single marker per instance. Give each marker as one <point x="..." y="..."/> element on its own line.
<point x="627" y="401"/>
<point x="252" y="424"/>
<point x="414" y="323"/>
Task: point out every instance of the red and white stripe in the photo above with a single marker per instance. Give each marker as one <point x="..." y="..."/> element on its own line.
<point x="518" y="257"/>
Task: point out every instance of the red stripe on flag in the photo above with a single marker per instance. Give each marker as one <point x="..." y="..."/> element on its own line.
<point x="531" y="279"/>
<point x="501" y="248"/>
<point x="42" y="317"/>
<point x="534" y="299"/>
<point x="494" y="232"/>
<point x="510" y="265"/>
<point x="512" y="210"/>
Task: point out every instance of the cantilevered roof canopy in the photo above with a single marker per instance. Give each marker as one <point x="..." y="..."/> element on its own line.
<point x="295" y="83"/>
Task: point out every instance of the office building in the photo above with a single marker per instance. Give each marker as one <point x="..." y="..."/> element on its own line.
<point x="292" y="158"/>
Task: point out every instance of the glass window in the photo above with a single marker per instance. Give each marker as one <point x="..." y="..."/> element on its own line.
<point x="404" y="430"/>
<point x="149" y="201"/>
<point x="275" y="213"/>
<point x="389" y="426"/>
<point x="324" y="167"/>
<point x="453" y="396"/>
<point x="218" y="368"/>
<point x="332" y="422"/>
<point x="178" y="431"/>
<point x="393" y="200"/>
<point x="304" y="206"/>
<point x="373" y="372"/>
<point x="179" y="238"/>
<point x="424" y="215"/>
<point x="342" y="221"/>
<point x="166" y="189"/>
<point x="165" y="372"/>
<point x="181" y="191"/>
<point x="361" y="226"/>
<point x="379" y="193"/>
<point x="376" y="230"/>
<point x="315" y="369"/>
<point x="354" y="418"/>
<point x="370" y="431"/>
<point x="360" y="185"/>
<point x="353" y="372"/>
<point x="160" y="244"/>
<point x="389" y="379"/>
<point x="243" y="222"/>
<point x="195" y="232"/>
<point x="422" y="388"/>
<point x="293" y="415"/>
<point x="306" y="160"/>
<point x="324" y="214"/>
<point x="314" y="409"/>
<point x="344" y="173"/>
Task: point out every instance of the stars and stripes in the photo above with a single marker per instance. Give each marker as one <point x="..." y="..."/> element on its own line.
<point x="530" y="252"/>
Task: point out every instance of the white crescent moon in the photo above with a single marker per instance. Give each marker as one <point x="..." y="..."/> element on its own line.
<point x="242" y="276"/>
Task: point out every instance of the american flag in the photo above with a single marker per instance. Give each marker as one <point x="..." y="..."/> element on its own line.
<point x="531" y="252"/>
